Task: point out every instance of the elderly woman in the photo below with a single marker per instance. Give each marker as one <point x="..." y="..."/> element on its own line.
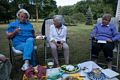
<point x="22" y="34"/>
<point x="58" y="33"/>
<point x="104" y="34"/>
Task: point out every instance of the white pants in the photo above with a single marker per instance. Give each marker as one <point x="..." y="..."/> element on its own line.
<point x="55" y="54"/>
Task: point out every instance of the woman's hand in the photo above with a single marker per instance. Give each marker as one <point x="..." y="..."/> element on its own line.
<point x="62" y="42"/>
<point x="11" y="34"/>
<point x="109" y="40"/>
<point x="17" y="30"/>
<point x="59" y="46"/>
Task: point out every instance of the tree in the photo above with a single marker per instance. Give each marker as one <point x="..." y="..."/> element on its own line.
<point x="5" y="13"/>
<point x="49" y="6"/>
<point x="66" y="10"/>
<point x="112" y="3"/>
<point x="89" y="17"/>
<point x="78" y="17"/>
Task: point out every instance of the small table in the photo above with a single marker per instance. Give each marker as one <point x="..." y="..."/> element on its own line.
<point x="88" y="64"/>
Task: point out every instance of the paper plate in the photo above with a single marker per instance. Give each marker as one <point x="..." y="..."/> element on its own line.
<point x="92" y="77"/>
<point x="110" y="73"/>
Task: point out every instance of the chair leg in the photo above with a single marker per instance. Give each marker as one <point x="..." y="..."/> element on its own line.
<point x="118" y="56"/>
<point x="11" y="55"/>
<point x="45" y="51"/>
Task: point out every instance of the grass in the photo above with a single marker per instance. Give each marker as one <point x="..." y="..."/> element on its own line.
<point x="79" y="43"/>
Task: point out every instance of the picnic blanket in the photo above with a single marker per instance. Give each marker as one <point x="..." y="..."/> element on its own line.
<point x="35" y="73"/>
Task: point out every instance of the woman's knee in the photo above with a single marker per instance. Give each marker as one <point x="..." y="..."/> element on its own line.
<point x="66" y="47"/>
<point x="53" y="47"/>
<point x="30" y="39"/>
<point x="108" y="47"/>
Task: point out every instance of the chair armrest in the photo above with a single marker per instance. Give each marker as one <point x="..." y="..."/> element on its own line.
<point x="16" y="51"/>
<point x="40" y="37"/>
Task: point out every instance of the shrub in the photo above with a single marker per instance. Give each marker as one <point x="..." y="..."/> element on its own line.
<point x="78" y="17"/>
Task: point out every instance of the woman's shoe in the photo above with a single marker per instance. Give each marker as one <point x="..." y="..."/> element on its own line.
<point x="25" y="67"/>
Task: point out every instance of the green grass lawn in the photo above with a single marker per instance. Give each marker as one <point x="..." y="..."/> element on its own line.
<point x="79" y="42"/>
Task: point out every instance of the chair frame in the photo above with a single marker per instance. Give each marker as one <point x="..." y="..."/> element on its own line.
<point x="12" y="53"/>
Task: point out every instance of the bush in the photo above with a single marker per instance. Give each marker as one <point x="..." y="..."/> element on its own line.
<point x="69" y="20"/>
<point x="75" y="18"/>
<point x="78" y="17"/>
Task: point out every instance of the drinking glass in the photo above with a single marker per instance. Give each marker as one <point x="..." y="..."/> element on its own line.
<point x="50" y="64"/>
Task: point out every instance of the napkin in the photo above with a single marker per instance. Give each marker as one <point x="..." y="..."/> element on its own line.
<point x="110" y="73"/>
<point x="88" y="65"/>
<point x="101" y="41"/>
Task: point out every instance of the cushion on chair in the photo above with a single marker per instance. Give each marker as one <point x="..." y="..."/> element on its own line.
<point x="35" y="47"/>
<point x="20" y="52"/>
<point x="16" y="51"/>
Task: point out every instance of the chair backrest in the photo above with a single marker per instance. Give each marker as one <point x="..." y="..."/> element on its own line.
<point x="48" y="23"/>
<point x="46" y="26"/>
<point x="114" y="21"/>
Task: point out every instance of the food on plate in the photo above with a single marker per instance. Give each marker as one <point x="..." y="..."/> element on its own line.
<point x="69" y="69"/>
<point x="71" y="78"/>
<point x="97" y="72"/>
<point x="78" y="76"/>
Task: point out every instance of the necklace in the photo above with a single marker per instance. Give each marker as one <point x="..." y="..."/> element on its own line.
<point x="58" y="31"/>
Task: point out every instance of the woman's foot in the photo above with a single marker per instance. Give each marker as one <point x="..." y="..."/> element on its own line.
<point x="25" y="67"/>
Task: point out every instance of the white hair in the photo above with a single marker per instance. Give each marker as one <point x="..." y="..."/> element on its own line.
<point x="106" y="16"/>
<point x="59" y="18"/>
<point x="23" y="11"/>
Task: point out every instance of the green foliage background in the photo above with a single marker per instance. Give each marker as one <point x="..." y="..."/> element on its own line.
<point x="49" y="8"/>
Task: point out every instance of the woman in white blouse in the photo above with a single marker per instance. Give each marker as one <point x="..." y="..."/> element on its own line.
<point x="58" y="33"/>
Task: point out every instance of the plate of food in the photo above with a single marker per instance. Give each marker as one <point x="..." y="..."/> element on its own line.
<point x="71" y="78"/>
<point x="96" y="74"/>
<point x="69" y="69"/>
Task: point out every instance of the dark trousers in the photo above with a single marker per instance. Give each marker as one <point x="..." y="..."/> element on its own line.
<point x="107" y="48"/>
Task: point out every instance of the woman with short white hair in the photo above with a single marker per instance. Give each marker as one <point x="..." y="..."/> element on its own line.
<point x="58" y="33"/>
<point x="22" y="34"/>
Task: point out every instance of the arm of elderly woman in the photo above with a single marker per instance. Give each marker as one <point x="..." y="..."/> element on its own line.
<point x="12" y="34"/>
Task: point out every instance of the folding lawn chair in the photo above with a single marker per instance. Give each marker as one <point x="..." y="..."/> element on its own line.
<point x="45" y="31"/>
<point x="14" y="53"/>
<point x="116" y="50"/>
